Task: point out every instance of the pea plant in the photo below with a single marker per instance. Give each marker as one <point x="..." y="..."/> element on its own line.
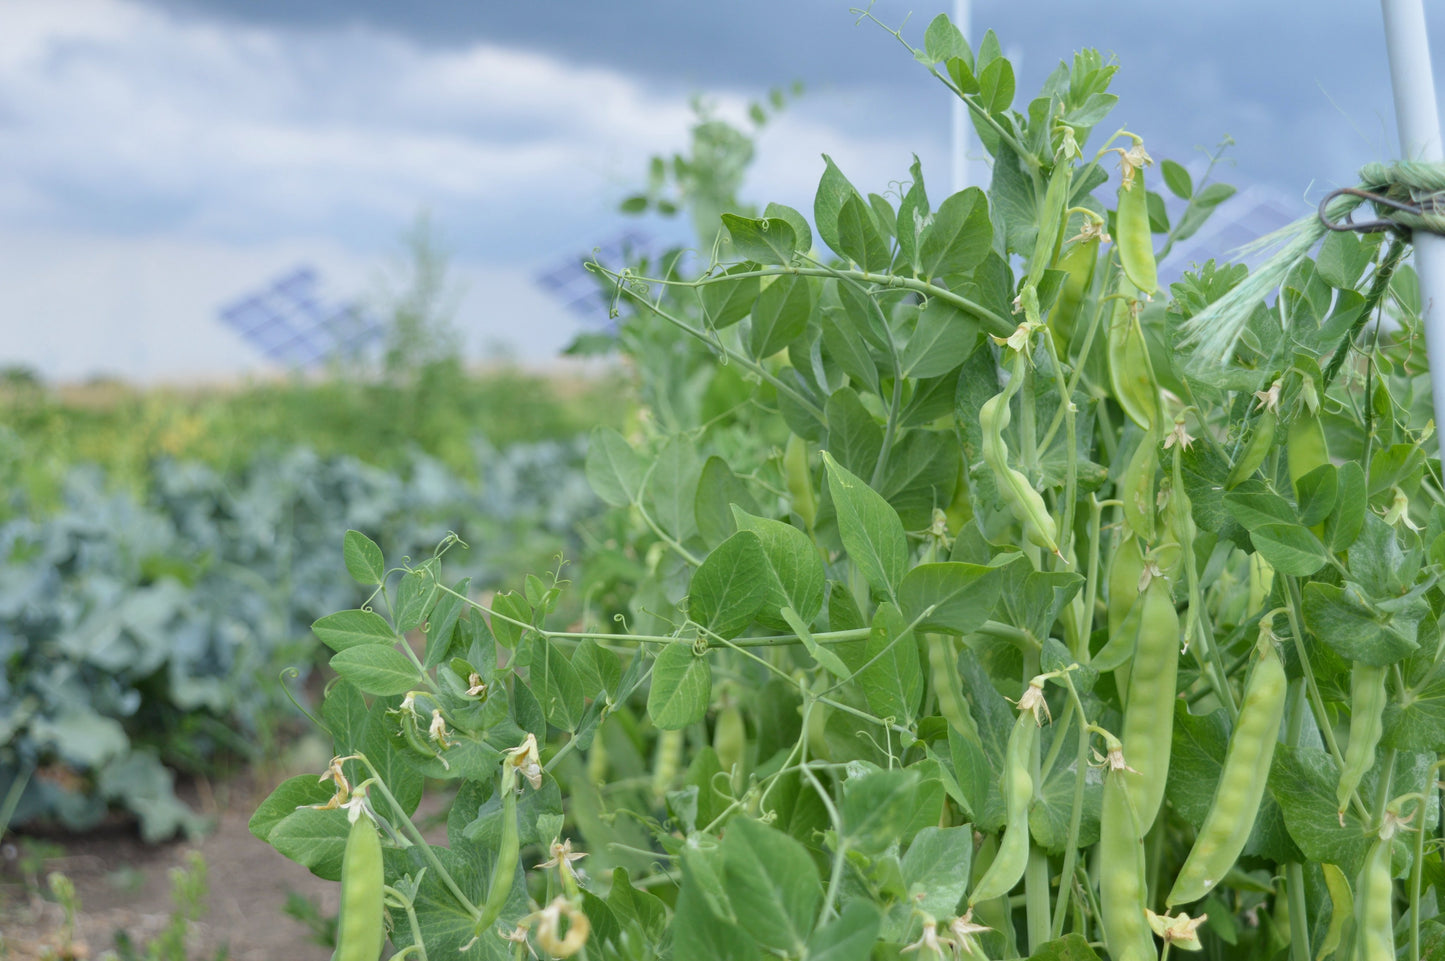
<point x="964" y="595"/>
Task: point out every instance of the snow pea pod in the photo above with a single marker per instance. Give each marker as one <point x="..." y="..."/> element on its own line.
<point x="1242" y="781"/>
<point x="1367" y="722"/>
<point x="361" y="927"/>
<point x="1133" y="236"/>
<point x="1149" y="711"/>
<point x="1123" y="885"/>
<point x="1374" y="906"/>
<point x="1018" y="789"/>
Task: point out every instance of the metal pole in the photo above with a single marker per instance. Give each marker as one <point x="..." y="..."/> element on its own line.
<point x="962" y="133"/>
<point x="1418" y="117"/>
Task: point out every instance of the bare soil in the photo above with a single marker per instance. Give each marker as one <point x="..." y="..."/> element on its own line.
<point x="124" y="885"/>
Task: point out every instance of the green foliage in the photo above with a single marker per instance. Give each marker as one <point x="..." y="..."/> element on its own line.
<point x="852" y="647"/>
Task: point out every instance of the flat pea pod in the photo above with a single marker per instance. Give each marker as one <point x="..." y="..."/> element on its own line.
<point x="1149" y="710"/>
<point x="1026" y="504"/>
<point x="1137" y="488"/>
<point x="1056" y="200"/>
<point x="1254" y="453"/>
<point x="729" y="738"/>
<point x="1018" y="790"/>
<point x="1305" y="447"/>
<point x="1342" y="906"/>
<point x="1241" y="783"/>
<point x="1375" y="906"/>
<point x="799" y="480"/>
<point x="1367" y="722"/>
<point x="361" y="927"/>
<point x="504" y="868"/>
<point x="1078" y="266"/>
<point x="1126" y="566"/>
<point x="1133" y="236"/>
<point x="943" y="666"/>
<point x="1130" y="373"/>
<point x="1123" y="885"/>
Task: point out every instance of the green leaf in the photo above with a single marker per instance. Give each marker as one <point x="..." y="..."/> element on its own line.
<point x="1417" y="722"/>
<point x="1201" y="205"/>
<point x="1303" y="781"/>
<point x="960" y="236"/>
<point x="1345" y="620"/>
<point x="950" y="596"/>
<point x="854" y="437"/>
<point x="797" y="578"/>
<point x="770" y="241"/>
<point x="727" y="301"/>
<point x="1343" y="258"/>
<point x="363" y="558"/>
<point x="891" y="675"/>
<point x="1348" y="518"/>
<point x="1318" y="491"/>
<point x="313" y="838"/>
<point x="614" y="469"/>
<point x="303" y="790"/>
<point x="375" y="669"/>
<point x="1290" y="548"/>
<point x="848" y="937"/>
<point x="346" y="629"/>
<point x="415" y="597"/>
<point x="512" y="607"/>
<point x="833" y="191"/>
<point x="772" y="884"/>
<point x="780" y="315"/>
<point x="1177" y="179"/>
<point x="859" y="238"/>
<point x="718" y="489"/>
<point x="942" y="40"/>
<point x="598" y="669"/>
<point x="848" y="349"/>
<point x="829" y="660"/>
<point x="730" y="586"/>
<point x="942" y="340"/>
<point x="1253" y="505"/>
<point x="1071" y="947"/>
<point x="443" y="622"/>
<point x="556" y="685"/>
<point x="802" y="234"/>
<point x="877" y="808"/>
<point x="960" y="71"/>
<point x="936" y="868"/>
<point x="871" y="531"/>
<point x="672" y="488"/>
<point x="996" y="85"/>
<point x="681" y="687"/>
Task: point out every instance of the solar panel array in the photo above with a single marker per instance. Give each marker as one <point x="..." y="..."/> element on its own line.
<point x="583" y="292"/>
<point x="292" y="323"/>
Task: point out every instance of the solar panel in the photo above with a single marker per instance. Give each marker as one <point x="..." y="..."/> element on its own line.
<point x="292" y="322"/>
<point x="584" y="293"/>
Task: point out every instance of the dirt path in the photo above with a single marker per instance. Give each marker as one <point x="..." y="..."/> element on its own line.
<point x="123" y="884"/>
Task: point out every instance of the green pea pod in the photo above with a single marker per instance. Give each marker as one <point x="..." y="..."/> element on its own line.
<point x="1136" y="487"/>
<point x="1305" y="447"/>
<point x="1078" y="265"/>
<point x="1126" y="565"/>
<point x="1026" y="503"/>
<point x="1018" y="789"/>
<point x="1241" y="783"/>
<point x="1374" y="906"/>
<point x="1056" y="200"/>
<point x="943" y="666"/>
<point x="799" y="480"/>
<point x="1149" y="710"/>
<point x="729" y="738"/>
<point x="1123" y="885"/>
<point x="1130" y="373"/>
<point x="1133" y="236"/>
<point x="361" y="927"/>
<point x="1254" y="453"/>
<point x="1342" y="906"/>
<point x="504" y="868"/>
<point x="1367" y="722"/>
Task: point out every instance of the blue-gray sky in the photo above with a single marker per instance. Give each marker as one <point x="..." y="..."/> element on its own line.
<point x="158" y="157"/>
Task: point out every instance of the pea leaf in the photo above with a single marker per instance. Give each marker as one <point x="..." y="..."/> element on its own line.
<point x="943" y="40"/>
<point x="1346" y="620"/>
<point x="1071" y="947"/>
<point x="780" y="315"/>
<point x="891" y="676"/>
<point x="718" y="489"/>
<point x="727" y="301"/>
<point x="346" y="629"/>
<point x="769" y="241"/>
<point x="415" y="597"/>
<point x="555" y="683"/>
<point x="672" y="488"/>
<point x="363" y="558"/>
<point x="772" y="883"/>
<point x="313" y="838"/>
<point x="960" y="236"/>
<point x="803" y="236"/>
<point x="295" y="792"/>
<point x="833" y="191"/>
<point x="731" y="585"/>
<point x="878" y="806"/>
<point x="942" y="340"/>
<point x="376" y="669"/>
<point x="1303" y="781"/>
<point x="871" y="531"/>
<point x="1417" y="723"/>
<point x="854" y="437"/>
<point x="1177" y="179"/>
<point x="858" y="236"/>
<point x="848" y="349"/>
<point x="1290" y="548"/>
<point x="950" y="596"/>
<point x="848" y="937"/>
<point x="798" y="577"/>
<point x="681" y="687"/>
<point x="614" y="469"/>
<point x="936" y="868"/>
<point x="443" y="622"/>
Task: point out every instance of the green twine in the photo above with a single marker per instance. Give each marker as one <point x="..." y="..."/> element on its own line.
<point x="1214" y="331"/>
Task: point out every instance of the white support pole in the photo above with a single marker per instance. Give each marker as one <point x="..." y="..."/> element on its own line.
<point x="1418" y="117"/>
<point x="961" y="130"/>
